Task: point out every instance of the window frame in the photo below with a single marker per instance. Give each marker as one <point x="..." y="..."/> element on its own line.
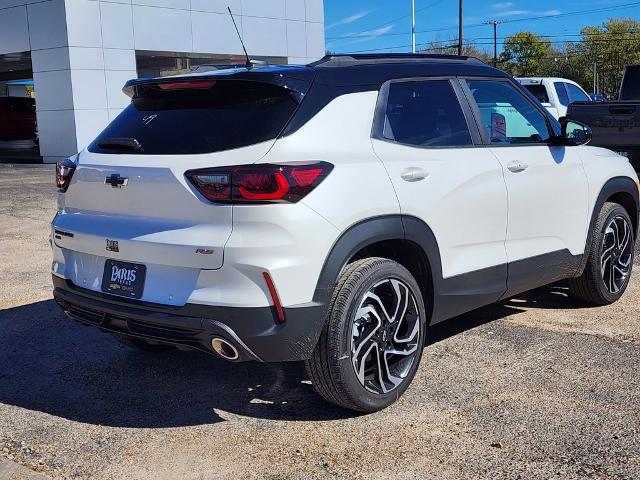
<point x="486" y="140"/>
<point x="377" y="130"/>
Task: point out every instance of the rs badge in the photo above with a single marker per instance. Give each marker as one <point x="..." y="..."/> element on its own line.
<point x="112" y="246"/>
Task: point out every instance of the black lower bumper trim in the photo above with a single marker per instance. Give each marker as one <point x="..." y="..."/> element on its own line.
<point x="251" y="330"/>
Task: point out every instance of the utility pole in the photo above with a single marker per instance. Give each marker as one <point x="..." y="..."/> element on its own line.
<point x="413" y="25"/>
<point x="495" y="24"/>
<point x="460" y="29"/>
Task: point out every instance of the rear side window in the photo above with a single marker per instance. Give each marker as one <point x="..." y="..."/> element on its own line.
<point x="425" y="114"/>
<point x="576" y="94"/>
<point x="228" y="114"/>
<point x="561" y="90"/>
<point x="538" y="91"/>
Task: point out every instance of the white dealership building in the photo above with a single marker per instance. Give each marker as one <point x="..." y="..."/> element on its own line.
<point x="74" y="56"/>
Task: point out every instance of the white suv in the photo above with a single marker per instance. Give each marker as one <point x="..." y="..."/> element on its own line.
<point x="330" y="213"/>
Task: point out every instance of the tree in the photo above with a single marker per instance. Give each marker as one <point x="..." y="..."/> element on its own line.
<point x="450" y="47"/>
<point x="609" y="47"/>
<point x="525" y="53"/>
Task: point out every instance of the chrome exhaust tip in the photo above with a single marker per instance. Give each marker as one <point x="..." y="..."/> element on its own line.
<point x="225" y="349"/>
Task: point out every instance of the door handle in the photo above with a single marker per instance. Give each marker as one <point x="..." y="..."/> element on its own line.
<point x="517" y="167"/>
<point x="413" y="174"/>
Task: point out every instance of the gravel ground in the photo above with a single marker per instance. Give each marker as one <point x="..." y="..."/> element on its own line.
<point x="538" y="387"/>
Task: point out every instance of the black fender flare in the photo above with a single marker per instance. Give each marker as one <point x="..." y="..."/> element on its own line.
<point x="446" y="298"/>
<point x="611" y="187"/>
<point x="377" y="229"/>
<point x="351" y="241"/>
<point x="370" y="231"/>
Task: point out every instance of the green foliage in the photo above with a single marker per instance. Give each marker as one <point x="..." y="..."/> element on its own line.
<point x="525" y="54"/>
<point x="610" y="48"/>
<point x="451" y="48"/>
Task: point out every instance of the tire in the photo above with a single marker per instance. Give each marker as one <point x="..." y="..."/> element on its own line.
<point x="140" y="344"/>
<point x="600" y="283"/>
<point x="353" y="337"/>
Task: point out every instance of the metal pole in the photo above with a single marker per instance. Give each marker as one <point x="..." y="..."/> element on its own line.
<point x="495" y="44"/>
<point x="413" y="25"/>
<point x="460" y="29"/>
<point x="595" y="77"/>
<point x="495" y="39"/>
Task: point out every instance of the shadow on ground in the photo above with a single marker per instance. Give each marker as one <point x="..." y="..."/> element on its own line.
<point x="53" y="365"/>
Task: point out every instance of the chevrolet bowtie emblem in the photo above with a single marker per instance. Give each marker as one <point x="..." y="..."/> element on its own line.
<point x="116" y="181"/>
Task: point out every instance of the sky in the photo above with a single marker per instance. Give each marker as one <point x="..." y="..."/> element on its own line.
<point x="354" y="26"/>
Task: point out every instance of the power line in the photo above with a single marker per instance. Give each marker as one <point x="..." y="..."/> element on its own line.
<point x="453" y="44"/>
<point x="495" y="24"/>
<point x="515" y="20"/>
<point x="560" y="35"/>
<point x="359" y="34"/>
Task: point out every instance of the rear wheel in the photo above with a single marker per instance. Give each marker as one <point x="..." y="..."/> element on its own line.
<point x="610" y="258"/>
<point x="371" y="345"/>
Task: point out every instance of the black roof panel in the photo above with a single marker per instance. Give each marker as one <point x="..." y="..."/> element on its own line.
<point x="375" y="69"/>
<point x="345" y="60"/>
<point x="346" y="71"/>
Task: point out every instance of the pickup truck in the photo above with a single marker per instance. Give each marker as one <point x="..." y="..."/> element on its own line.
<point x="615" y="124"/>
<point x="555" y="94"/>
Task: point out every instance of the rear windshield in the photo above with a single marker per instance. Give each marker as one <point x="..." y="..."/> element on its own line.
<point x="538" y="91"/>
<point x="631" y="84"/>
<point x="229" y="114"/>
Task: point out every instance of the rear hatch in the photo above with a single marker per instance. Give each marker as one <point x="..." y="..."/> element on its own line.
<point x="129" y="200"/>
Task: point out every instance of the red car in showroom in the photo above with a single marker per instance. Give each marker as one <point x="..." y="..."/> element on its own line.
<point x="18" y="118"/>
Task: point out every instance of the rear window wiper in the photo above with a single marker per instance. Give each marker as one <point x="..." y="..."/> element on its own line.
<point x="121" y="143"/>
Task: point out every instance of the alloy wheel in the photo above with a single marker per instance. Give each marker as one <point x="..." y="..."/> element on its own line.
<point x="385" y="336"/>
<point x="617" y="254"/>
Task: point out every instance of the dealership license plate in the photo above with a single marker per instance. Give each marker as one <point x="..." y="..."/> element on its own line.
<point x="123" y="278"/>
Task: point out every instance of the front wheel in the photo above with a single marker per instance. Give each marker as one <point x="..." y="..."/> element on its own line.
<point x="610" y="258"/>
<point x="371" y="345"/>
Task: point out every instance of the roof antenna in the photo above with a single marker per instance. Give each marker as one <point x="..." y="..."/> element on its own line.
<point x="248" y="63"/>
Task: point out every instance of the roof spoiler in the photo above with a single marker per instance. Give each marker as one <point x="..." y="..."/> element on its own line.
<point x="296" y="82"/>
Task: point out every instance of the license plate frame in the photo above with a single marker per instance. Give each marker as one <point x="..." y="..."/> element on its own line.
<point x="124" y="279"/>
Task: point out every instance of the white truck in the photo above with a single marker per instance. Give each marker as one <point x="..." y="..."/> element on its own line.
<point x="555" y="94"/>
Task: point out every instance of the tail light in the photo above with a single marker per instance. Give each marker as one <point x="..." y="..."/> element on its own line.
<point x="259" y="184"/>
<point x="64" y="172"/>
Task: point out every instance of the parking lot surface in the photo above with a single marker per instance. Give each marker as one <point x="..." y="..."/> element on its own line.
<point x="537" y="387"/>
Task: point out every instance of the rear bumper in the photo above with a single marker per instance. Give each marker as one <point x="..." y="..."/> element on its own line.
<point x="252" y="330"/>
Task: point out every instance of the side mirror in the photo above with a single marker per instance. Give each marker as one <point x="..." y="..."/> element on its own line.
<point x="575" y="133"/>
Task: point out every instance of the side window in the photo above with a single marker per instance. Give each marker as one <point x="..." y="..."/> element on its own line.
<point x="507" y="115"/>
<point x="425" y="113"/>
<point x="563" y="96"/>
<point x="576" y="94"/>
